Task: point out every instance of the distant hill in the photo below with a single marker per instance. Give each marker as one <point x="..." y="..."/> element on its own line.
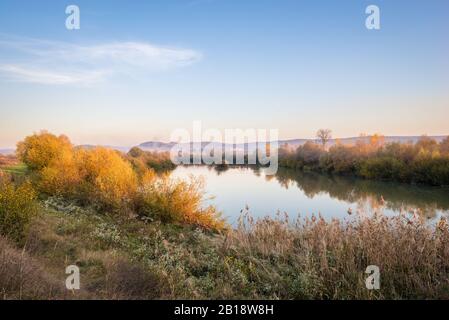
<point x="157" y="146"/>
<point x="91" y="146"/>
<point x="7" y="151"/>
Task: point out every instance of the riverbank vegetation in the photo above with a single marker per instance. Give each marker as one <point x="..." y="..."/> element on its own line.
<point x="424" y="162"/>
<point x="136" y="234"/>
<point x="158" y="161"/>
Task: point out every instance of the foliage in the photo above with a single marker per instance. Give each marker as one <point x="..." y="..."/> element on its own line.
<point x="159" y="161"/>
<point x="99" y="176"/>
<point x="41" y="150"/>
<point x="425" y="162"/>
<point x="178" y="201"/>
<point x="17" y="207"/>
<point x="107" y="177"/>
<point x="110" y="180"/>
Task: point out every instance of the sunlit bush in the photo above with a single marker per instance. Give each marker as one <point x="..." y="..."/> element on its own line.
<point x="40" y="150"/>
<point x="107" y="178"/>
<point x="17" y="207"/>
<point x="62" y="176"/>
<point x="100" y="176"/>
<point x="176" y="201"/>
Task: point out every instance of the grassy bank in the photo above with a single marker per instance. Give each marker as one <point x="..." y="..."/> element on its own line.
<point x="121" y="257"/>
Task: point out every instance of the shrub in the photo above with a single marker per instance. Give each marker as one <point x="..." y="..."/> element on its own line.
<point x="159" y="161"/>
<point x="178" y="201"/>
<point x="107" y="178"/>
<point x="40" y="150"/>
<point x="431" y="170"/>
<point x="17" y="207"/>
<point x="62" y="176"/>
<point x="309" y="154"/>
<point x="340" y="159"/>
<point x="100" y="176"/>
<point x="423" y="162"/>
<point x="385" y="168"/>
<point x="444" y="146"/>
<point x="52" y="160"/>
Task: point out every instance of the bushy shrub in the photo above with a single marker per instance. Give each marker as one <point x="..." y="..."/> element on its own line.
<point x="340" y="159"/>
<point x="40" y="150"/>
<point x="110" y="180"/>
<point x="100" y="176"/>
<point x="159" y="161"/>
<point x="444" y="146"/>
<point x="17" y="207"/>
<point x="431" y="170"/>
<point x="385" y="168"/>
<point x="61" y="176"/>
<point x="309" y="154"/>
<point x="178" y="201"/>
<point x="107" y="178"/>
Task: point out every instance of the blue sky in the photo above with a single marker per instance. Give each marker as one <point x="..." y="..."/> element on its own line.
<point x="136" y="70"/>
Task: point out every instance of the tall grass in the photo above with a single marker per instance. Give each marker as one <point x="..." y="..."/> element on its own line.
<point x="22" y="277"/>
<point x="319" y="259"/>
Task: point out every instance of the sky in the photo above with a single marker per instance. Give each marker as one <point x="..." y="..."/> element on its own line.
<point x="137" y="70"/>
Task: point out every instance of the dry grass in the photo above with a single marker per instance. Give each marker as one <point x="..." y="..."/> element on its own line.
<point x="23" y="277"/>
<point x="326" y="260"/>
<point x="126" y="258"/>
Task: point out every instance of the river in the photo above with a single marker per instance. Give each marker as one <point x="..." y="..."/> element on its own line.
<point x="294" y="193"/>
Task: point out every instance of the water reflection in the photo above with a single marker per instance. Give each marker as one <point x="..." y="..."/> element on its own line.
<point x="295" y="192"/>
<point x="377" y="195"/>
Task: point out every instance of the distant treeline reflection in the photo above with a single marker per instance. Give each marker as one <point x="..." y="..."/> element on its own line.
<point x="394" y="196"/>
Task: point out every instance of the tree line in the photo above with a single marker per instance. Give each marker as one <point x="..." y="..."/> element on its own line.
<point x="423" y="162"/>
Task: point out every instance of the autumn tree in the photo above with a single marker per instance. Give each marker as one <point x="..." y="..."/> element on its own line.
<point x="377" y="141"/>
<point x="53" y="161"/>
<point x="107" y="178"/>
<point x="324" y="135"/>
<point x="39" y="150"/>
<point x="101" y="176"/>
<point x="444" y="145"/>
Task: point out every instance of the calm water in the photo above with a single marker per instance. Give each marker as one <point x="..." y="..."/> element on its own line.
<point x="308" y="193"/>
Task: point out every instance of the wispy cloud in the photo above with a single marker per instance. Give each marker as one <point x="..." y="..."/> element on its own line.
<point x="45" y="76"/>
<point x="50" y="62"/>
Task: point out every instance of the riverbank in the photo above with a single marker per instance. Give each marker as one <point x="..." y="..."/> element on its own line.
<point x="121" y="257"/>
<point x="137" y="235"/>
<point x="425" y="162"/>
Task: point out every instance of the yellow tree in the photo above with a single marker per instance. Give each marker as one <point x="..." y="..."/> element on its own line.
<point x="107" y="177"/>
<point x="39" y="150"/>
